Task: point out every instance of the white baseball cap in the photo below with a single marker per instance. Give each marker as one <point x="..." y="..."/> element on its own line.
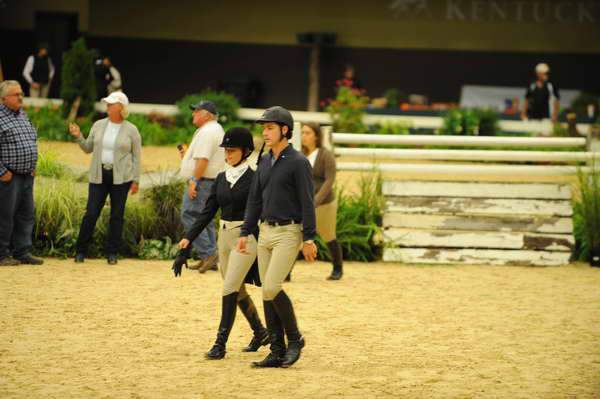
<point x="116" y="97"/>
<point x="542" y="68"/>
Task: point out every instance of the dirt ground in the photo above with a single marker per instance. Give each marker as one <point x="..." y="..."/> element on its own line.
<point x="134" y="331"/>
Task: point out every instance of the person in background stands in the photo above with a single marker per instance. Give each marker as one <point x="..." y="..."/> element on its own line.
<point x="202" y="162"/>
<point x="542" y="99"/>
<point x="323" y="174"/>
<point x="112" y="77"/>
<point x="229" y="194"/>
<point x="349" y="79"/>
<point x="116" y="147"/>
<point x="38" y="72"/>
<point x="18" y="159"/>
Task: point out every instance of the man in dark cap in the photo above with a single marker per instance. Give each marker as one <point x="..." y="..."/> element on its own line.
<point x="202" y="162"/>
<point x="281" y="197"/>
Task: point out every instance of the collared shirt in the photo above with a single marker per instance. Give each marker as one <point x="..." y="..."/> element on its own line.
<point x="205" y="144"/>
<point x="18" y="142"/>
<point x="312" y="157"/>
<point x="282" y="191"/>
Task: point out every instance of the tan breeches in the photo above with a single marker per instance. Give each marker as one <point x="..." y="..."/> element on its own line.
<point x="278" y="248"/>
<point x="234" y="266"/>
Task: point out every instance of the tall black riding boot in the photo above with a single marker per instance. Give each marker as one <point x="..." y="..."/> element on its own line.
<point x="277" y="336"/>
<point x="336" y="257"/>
<point x="261" y="336"/>
<point x="285" y="310"/>
<point x="227" y="318"/>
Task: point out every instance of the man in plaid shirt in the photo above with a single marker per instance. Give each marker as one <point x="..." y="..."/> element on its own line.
<point x="18" y="158"/>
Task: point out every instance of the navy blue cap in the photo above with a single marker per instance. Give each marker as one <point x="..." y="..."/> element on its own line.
<point x="206" y="105"/>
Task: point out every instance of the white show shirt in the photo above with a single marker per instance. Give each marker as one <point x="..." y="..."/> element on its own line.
<point x="109" y="141"/>
<point x="312" y="157"/>
<point x="205" y="144"/>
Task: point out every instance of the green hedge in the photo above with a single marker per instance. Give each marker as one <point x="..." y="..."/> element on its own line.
<point x="152" y="218"/>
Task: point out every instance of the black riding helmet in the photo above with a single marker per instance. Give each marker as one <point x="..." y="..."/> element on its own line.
<point x="239" y="137"/>
<point x="280" y="116"/>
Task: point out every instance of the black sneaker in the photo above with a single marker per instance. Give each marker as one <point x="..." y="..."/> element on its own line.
<point x="29" y="260"/>
<point x="111" y="259"/>
<point x="79" y="258"/>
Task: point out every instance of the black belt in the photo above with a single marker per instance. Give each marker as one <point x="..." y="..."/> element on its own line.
<point x="281" y="222"/>
<point x="206" y="179"/>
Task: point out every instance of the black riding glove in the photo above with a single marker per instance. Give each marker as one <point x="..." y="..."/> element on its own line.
<point x="180" y="260"/>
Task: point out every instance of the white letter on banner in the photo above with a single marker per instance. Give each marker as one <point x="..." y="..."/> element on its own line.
<point x="585" y="14"/>
<point x="453" y="10"/>
<point x="496" y="10"/>
<point x="476" y="10"/>
<point x="558" y="14"/>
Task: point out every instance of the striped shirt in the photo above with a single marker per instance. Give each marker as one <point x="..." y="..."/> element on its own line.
<point x="18" y="142"/>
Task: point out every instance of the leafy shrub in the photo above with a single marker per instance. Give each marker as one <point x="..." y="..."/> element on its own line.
<point x="358" y="222"/>
<point x="399" y="128"/>
<point x="157" y="249"/>
<point x="49" y="166"/>
<point x="347" y="110"/>
<point x="586" y="213"/>
<point x="460" y="122"/>
<point x="49" y="123"/>
<point x="487" y="121"/>
<point x="58" y="212"/>
<point x="165" y="199"/>
<point x="393" y="98"/>
<point x="227" y="107"/>
<point x="152" y="133"/>
<point x="78" y="78"/>
<point x="469" y="122"/>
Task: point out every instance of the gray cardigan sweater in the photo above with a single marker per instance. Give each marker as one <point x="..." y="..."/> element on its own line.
<point x="128" y="148"/>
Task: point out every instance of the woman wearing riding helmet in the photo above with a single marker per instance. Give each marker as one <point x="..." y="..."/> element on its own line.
<point x="229" y="194"/>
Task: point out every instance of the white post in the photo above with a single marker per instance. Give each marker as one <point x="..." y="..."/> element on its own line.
<point x="327" y="139"/>
<point x="296" y="143"/>
<point x="593" y="145"/>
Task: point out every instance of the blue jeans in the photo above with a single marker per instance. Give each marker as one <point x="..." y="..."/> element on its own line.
<point x="17" y="216"/>
<point x="206" y="243"/>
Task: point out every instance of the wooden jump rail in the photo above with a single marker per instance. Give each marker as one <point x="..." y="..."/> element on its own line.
<point x="476" y="155"/>
<point x="459" y="141"/>
<point x="470" y="222"/>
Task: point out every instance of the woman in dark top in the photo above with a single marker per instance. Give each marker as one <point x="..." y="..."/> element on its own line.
<point x="324" y="169"/>
<point x="230" y="193"/>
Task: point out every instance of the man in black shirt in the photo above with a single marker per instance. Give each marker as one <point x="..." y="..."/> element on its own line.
<point x="281" y="196"/>
<point x="541" y="95"/>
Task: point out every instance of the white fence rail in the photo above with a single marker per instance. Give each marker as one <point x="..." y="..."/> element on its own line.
<point x="458" y="141"/>
<point x="465" y="155"/>
<point x="450" y="170"/>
